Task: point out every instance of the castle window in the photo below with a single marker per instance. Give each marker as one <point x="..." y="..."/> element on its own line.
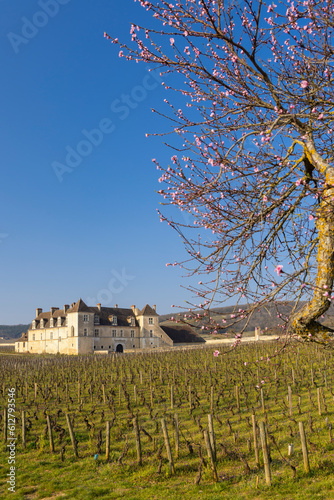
<point x="132" y="321"/>
<point x="121" y="333"/>
<point x="85" y="318"/>
<point x="150" y="321"/>
<point x="114" y="320"/>
<point x="85" y="332"/>
<point x="41" y="336"/>
<point x="113" y="333"/>
<point x="33" y="336"/>
<point x="96" y="332"/>
<point x="132" y="334"/>
<point x="24" y="344"/>
<point x="96" y="319"/>
<point x="151" y="333"/>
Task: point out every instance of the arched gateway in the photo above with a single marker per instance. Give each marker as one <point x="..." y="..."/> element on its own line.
<point x="119" y="348"/>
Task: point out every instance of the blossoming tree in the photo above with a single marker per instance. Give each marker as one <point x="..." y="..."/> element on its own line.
<point x="252" y="163"/>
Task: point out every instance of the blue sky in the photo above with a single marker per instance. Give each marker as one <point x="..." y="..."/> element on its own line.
<point x="78" y="198"/>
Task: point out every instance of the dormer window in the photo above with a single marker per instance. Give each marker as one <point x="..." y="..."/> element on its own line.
<point x="150" y="321"/>
<point x="42" y="323"/>
<point x="34" y="325"/>
<point x="114" y="320"/>
<point x="132" y="321"/>
<point x="96" y="319"/>
<point x="59" y="321"/>
<point x="52" y="322"/>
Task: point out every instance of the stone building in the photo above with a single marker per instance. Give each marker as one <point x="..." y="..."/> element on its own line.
<point x="81" y="329"/>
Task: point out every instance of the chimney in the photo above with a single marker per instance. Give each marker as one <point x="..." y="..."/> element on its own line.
<point x="99" y="307"/>
<point x="66" y="306"/>
<point x="133" y="307"/>
<point x="38" y="311"/>
<point x="154" y="307"/>
<point x="116" y="306"/>
<point x="54" y="309"/>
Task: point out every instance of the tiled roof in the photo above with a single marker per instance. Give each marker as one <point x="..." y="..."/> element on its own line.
<point x="181" y="334"/>
<point x="106" y="313"/>
<point x="80" y="306"/>
<point x="148" y="311"/>
<point x="23" y="338"/>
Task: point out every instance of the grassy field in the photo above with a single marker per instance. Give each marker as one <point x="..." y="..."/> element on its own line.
<point x="182" y="388"/>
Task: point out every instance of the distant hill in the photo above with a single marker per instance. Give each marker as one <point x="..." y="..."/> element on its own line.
<point x="13" y="331"/>
<point x="267" y="317"/>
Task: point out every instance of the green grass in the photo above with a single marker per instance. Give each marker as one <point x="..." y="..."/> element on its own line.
<point x="41" y="474"/>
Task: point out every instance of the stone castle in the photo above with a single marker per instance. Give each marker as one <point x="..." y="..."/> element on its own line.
<point x="80" y="329"/>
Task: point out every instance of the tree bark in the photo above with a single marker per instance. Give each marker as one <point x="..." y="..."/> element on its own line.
<point x="303" y="322"/>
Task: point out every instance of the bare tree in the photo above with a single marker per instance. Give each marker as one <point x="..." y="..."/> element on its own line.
<point x="253" y="147"/>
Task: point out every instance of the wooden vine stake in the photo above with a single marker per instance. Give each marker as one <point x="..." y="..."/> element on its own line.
<point x="48" y="421"/>
<point x="73" y="440"/>
<point x="107" y="440"/>
<point x="5" y="425"/>
<point x="237" y="397"/>
<point x="169" y="451"/>
<point x="256" y="448"/>
<point x="319" y="400"/>
<point x="265" y="453"/>
<point x="177" y="435"/>
<point x="262" y="401"/>
<point x="138" y="444"/>
<point x="210" y="455"/>
<point x="304" y="447"/>
<point x="24" y="429"/>
<point x="290" y="400"/>
<point x="212" y="399"/>
<point x="212" y="437"/>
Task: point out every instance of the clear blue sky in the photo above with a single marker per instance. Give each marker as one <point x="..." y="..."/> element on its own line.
<point x="91" y="231"/>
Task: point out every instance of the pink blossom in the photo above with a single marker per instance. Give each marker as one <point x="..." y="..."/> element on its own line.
<point x="278" y="269"/>
<point x="320" y="117"/>
<point x="172" y="41"/>
<point x="311" y="217"/>
<point x="265" y="198"/>
<point x="216" y="353"/>
<point x="304" y="84"/>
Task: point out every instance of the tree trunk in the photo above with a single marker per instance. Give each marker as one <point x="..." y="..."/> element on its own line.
<point x="303" y="322"/>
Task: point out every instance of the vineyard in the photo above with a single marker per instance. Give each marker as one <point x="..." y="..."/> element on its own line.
<point x="254" y="423"/>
